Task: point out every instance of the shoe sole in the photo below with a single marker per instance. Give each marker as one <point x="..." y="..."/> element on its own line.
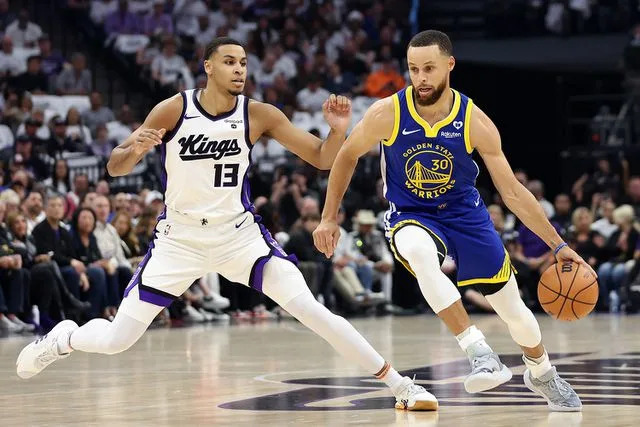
<point x="552" y="406"/>
<point x="28" y="374"/>
<point x="483" y="382"/>
<point x="425" y="405"/>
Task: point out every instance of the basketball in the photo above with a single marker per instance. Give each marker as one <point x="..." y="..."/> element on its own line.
<point x="568" y="291"/>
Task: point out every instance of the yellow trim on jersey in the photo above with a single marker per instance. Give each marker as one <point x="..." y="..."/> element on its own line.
<point x="467" y="126"/>
<point x="396" y="121"/>
<point x="393" y="244"/>
<point x="500" y="277"/>
<point x="429" y="131"/>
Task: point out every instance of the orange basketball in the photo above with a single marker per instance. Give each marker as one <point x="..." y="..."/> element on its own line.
<point x="568" y="291"/>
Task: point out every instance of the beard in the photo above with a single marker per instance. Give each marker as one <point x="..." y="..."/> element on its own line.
<point x="433" y="98"/>
<point x="235" y="92"/>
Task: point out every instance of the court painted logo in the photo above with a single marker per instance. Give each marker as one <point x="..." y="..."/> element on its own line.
<point x="428" y="168"/>
<point x="606" y="381"/>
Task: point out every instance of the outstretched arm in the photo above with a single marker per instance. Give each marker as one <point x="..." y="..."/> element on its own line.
<point x="313" y="150"/>
<point x="161" y="119"/>
<point x="376" y="125"/>
<point x="486" y="139"/>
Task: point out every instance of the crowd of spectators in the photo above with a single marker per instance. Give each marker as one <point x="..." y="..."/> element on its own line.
<point x="71" y="239"/>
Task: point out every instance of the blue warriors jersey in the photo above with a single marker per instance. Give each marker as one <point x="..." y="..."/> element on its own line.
<point x="425" y="166"/>
<point x="429" y="180"/>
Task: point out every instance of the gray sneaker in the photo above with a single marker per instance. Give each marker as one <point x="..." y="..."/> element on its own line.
<point x="487" y="372"/>
<point x="556" y="391"/>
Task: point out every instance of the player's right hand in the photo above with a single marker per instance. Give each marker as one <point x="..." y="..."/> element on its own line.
<point x="326" y="236"/>
<point x="147" y="139"/>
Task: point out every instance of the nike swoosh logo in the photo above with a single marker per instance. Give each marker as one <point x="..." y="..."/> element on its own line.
<point x="189" y="117"/>
<point x="238" y="225"/>
<point x="404" y="131"/>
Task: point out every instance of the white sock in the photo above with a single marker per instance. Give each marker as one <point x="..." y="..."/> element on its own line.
<point x="538" y="366"/>
<point x="390" y="376"/>
<point x="472" y="342"/>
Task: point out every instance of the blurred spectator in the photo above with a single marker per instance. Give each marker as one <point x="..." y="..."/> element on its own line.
<point x="618" y="250"/>
<point x="24" y="157"/>
<point x="60" y="142"/>
<point x="562" y="207"/>
<point x="206" y="32"/>
<point x="34" y="80"/>
<point x="537" y="189"/>
<point x="167" y="69"/>
<point x="340" y="82"/>
<point x="52" y="61"/>
<point x="129" y="241"/>
<point x="35" y="128"/>
<point x="633" y="194"/>
<point x="102" y="145"/>
<point x="23" y="32"/>
<point x="76" y="130"/>
<point x="157" y="21"/>
<point x="75" y="80"/>
<point x="98" y="114"/>
<point x="80" y="188"/>
<point x="266" y="74"/>
<point x="6" y="16"/>
<point x="10" y="63"/>
<point x="603" y="181"/>
<point x="59" y="181"/>
<point x="312" y="96"/>
<point x="371" y="244"/>
<point x="6" y="136"/>
<point x="122" y="21"/>
<point x="101" y="293"/>
<point x="384" y="82"/>
<point x="583" y="239"/>
<point x="264" y="35"/>
<point x="33" y="210"/>
<point x="186" y="13"/>
<point x="100" y="9"/>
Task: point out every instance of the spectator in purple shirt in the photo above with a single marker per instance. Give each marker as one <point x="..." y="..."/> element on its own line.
<point x="157" y="21"/>
<point x="52" y="61"/>
<point x="122" y="21"/>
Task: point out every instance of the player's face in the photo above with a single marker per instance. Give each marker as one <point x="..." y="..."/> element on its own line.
<point x="429" y="70"/>
<point x="228" y="68"/>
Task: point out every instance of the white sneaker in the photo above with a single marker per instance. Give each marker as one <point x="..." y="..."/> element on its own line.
<point x="193" y="315"/>
<point x="487" y="372"/>
<point x="412" y="397"/>
<point x="208" y="317"/>
<point x="9" y="326"/>
<point x="216" y="302"/>
<point x="43" y="351"/>
<point x="26" y="327"/>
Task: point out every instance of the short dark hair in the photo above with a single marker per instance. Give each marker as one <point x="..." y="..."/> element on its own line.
<point x="214" y="44"/>
<point x="431" y="37"/>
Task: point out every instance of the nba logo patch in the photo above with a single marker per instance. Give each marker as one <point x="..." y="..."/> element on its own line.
<point x="457" y="124"/>
<point x="167" y="228"/>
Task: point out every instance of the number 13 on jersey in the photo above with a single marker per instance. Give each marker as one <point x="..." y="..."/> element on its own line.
<point x="225" y="175"/>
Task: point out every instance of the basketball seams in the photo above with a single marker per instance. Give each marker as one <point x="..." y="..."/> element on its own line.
<point x="568" y="290"/>
<point x="569" y="298"/>
<point x="552" y="290"/>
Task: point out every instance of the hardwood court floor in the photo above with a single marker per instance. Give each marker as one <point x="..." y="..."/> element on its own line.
<point x="277" y="374"/>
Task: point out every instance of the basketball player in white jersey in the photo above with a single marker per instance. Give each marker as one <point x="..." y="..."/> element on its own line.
<point x="205" y="137"/>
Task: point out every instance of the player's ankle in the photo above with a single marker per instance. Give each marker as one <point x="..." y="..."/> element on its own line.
<point x="472" y="342"/>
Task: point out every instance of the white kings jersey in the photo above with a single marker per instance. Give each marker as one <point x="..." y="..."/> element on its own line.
<point x="205" y="162"/>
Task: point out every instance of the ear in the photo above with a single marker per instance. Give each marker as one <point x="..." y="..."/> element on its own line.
<point x="208" y="67"/>
<point x="452" y="63"/>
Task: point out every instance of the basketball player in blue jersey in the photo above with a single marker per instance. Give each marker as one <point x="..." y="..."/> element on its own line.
<point x="428" y="133"/>
<point x="209" y="224"/>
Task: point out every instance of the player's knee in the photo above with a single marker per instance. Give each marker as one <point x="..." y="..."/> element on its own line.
<point x="416" y="246"/>
<point x="521" y="322"/>
<point x="114" y="343"/>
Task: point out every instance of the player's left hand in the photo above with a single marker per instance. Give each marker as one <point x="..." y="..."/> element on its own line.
<point x="568" y="254"/>
<point x="337" y="112"/>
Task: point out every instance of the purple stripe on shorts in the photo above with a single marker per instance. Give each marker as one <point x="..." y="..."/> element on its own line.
<point x="154" y="298"/>
<point x="137" y="276"/>
<point x="257" y="273"/>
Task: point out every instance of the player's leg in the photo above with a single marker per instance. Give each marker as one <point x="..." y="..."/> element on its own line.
<point x="541" y="377"/>
<point x="172" y="264"/>
<point x="284" y="283"/>
<point x="417" y="247"/>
